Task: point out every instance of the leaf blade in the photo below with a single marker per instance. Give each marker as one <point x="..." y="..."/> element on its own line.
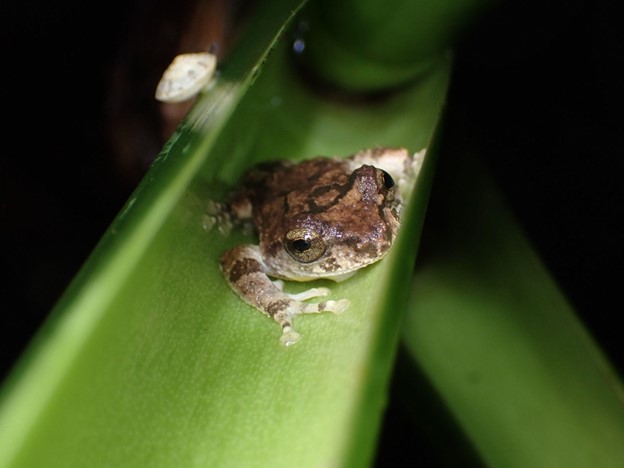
<point x="171" y="367"/>
<point x="500" y="343"/>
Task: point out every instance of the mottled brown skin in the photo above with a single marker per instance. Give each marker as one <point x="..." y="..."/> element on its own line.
<point x="321" y="218"/>
<point x="353" y="212"/>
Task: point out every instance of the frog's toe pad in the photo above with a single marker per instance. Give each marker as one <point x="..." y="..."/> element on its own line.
<point x="223" y="224"/>
<point x="217" y="215"/>
<point x="289" y="336"/>
<point x="337" y="307"/>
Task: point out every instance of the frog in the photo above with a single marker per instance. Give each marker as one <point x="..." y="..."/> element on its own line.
<point x="322" y="218"/>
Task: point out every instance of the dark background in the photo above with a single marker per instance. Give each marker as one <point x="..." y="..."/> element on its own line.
<point x="535" y="90"/>
<point x="537" y="85"/>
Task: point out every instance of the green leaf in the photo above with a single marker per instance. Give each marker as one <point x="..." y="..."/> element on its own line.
<point x="500" y="344"/>
<point x="150" y="359"/>
<point x="376" y="45"/>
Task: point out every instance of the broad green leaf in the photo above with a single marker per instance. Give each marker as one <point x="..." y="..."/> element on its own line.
<point x="149" y="359"/>
<point x="500" y="344"/>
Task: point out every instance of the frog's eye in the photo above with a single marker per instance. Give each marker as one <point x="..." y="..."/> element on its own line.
<point x="388" y="181"/>
<point x="304" y="245"/>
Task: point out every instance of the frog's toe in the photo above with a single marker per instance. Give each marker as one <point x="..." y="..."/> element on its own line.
<point x="217" y="214"/>
<point x="337" y="307"/>
<point x="208" y="222"/>
<point x="214" y="208"/>
<point x="289" y="336"/>
<point x="309" y="294"/>
<point x="224" y="226"/>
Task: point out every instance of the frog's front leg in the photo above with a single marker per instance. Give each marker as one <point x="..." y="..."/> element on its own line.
<point x="246" y="274"/>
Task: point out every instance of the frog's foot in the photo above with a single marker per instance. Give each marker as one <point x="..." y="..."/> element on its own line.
<point x="289" y="335"/>
<point x="217" y="214"/>
<point x="227" y="215"/>
<point x="297" y="307"/>
<point x="283" y="311"/>
<point x="246" y="273"/>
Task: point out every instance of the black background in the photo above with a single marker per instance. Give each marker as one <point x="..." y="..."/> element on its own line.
<point x="537" y="85"/>
<point x="535" y="90"/>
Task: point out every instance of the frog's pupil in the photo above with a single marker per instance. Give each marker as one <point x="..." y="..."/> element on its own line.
<point x="388" y="180"/>
<point x="301" y="245"/>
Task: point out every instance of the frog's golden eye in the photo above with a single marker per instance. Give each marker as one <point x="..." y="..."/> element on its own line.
<point x="304" y="245"/>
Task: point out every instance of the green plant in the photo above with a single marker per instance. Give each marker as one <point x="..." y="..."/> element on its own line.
<point x="150" y="360"/>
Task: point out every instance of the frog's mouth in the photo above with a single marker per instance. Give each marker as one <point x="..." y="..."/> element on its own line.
<point x="337" y="277"/>
<point x="345" y="274"/>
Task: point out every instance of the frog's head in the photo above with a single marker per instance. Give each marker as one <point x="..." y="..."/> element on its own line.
<point x="355" y="227"/>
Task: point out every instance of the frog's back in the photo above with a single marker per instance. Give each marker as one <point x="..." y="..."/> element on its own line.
<point x="273" y="180"/>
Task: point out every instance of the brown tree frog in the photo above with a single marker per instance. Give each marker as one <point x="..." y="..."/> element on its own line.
<point x="320" y="218"/>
